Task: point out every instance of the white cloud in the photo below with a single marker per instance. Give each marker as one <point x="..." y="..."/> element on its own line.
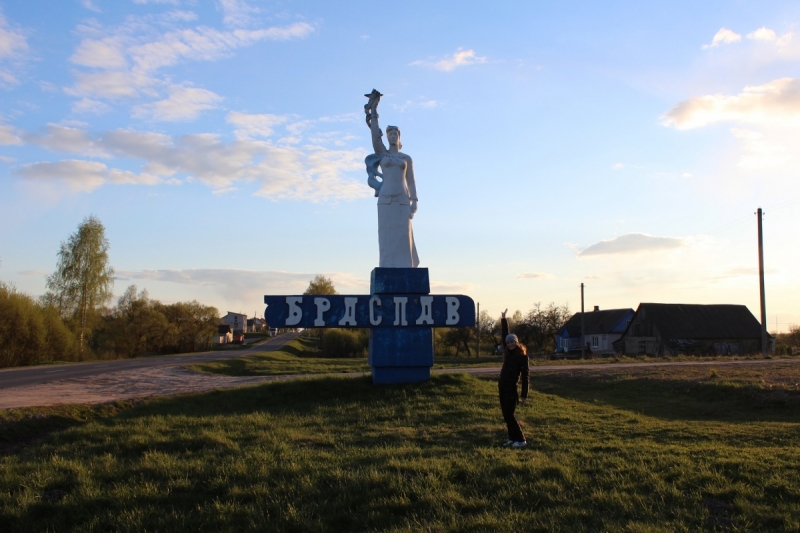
<point x="248" y="285"/>
<point x="12" y="40"/>
<point x="173" y="2"/>
<point x="105" y="53"/>
<point x="618" y="166"/>
<point x="249" y="126"/>
<point x="237" y="12"/>
<point x="535" y="275"/>
<point x="6" y="159"/>
<point x="8" y="135"/>
<point x="775" y="102"/>
<point x="725" y="36"/>
<point x="89" y="4"/>
<point x="203" y="43"/>
<point x="758" y="151"/>
<point x="313" y="172"/>
<point x="13" y="49"/>
<point x="112" y="84"/>
<point x="763" y="34"/>
<point x="89" y="106"/>
<point x="460" y="58"/>
<point x="36" y="272"/>
<point x="64" y="139"/>
<point x="84" y="176"/>
<point x="184" y="103"/>
<point x="632" y="243"/>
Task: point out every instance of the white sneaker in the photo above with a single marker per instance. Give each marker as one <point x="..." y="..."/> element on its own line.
<point x="508" y="443"/>
<point x="520" y="444"/>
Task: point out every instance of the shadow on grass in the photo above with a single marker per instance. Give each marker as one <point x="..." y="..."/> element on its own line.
<point x="677" y="399"/>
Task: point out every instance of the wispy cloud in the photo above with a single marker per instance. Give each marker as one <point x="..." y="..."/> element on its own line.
<point x="13" y="50"/>
<point x="8" y="135"/>
<point x="632" y="243"/>
<point x="84" y="176"/>
<point x="249" y="126"/>
<point x="183" y="103"/>
<point x="775" y="102"/>
<point x="127" y="62"/>
<point x="460" y="58"/>
<point x="759" y="152"/>
<point x="305" y="172"/>
<point x="535" y="275"/>
<point x="724" y="36"/>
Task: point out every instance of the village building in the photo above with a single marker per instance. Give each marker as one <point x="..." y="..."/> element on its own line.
<point x="237" y="321"/>
<point x="691" y="329"/>
<point x="601" y="329"/>
<point x="225" y="334"/>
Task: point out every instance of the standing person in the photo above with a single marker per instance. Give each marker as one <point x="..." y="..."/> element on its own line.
<point x="515" y="366"/>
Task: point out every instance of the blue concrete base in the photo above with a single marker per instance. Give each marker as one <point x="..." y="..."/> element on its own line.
<point x="388" y="375"/>
<point x="400" y="355"/>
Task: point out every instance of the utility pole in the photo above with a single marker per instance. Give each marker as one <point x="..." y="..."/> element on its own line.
<point x="478" y="332"/>
<point x="761" y="284"/>
<point x="583" y="329"/>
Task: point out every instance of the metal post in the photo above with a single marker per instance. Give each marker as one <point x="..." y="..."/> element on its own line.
<point x="761" y="285"/>
<point x="478" y="331"/>
<point x="583" y="334"/>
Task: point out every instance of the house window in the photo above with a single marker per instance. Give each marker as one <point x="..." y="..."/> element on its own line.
<point x="604" y="336"/>
<point x="595" y="342"/>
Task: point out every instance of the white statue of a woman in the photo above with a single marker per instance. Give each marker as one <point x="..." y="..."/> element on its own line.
<point x="397" y="193"/>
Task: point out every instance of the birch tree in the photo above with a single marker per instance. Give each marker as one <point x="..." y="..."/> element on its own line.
<point x="83" y="279"/>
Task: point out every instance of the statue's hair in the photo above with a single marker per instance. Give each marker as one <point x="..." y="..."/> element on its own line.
<point x="395" y="128"/>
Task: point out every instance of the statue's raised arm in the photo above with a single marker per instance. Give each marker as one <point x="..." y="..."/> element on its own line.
<point x="371" y="110"/>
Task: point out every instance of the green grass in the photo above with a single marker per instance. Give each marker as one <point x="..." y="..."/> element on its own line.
<point x="683" y="449"/>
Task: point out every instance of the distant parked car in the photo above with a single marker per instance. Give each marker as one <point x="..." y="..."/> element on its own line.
<point x="238" y="338"/>
<point x="273" y="332"/>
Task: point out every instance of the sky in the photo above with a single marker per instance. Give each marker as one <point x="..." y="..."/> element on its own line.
<point x="621" y="144"/>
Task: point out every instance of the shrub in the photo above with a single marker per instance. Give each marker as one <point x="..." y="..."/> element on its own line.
<point x="30" y="333"/>
<point x="345" y="343"/>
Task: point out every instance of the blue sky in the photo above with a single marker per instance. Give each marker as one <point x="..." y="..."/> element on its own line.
<point x="624" y="145"/>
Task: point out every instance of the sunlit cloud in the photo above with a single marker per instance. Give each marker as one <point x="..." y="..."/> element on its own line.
<point x="460" y="58"/>
<point x="306" y="172"/>
<point x="84" y="176"/>
<point x="535" y="275"/>
<point x="724" y="36"/>
<point x="775" y="102"/>
<point x="249" y="126"/>
<point x="8" y="135"/>
<point x="13" y="50"/>
<point x="237" y="12"/>
<point x="184" y="103"/>
<point x="632" y="243"/>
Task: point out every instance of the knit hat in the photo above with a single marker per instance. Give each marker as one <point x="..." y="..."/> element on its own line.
<point x="511" y="338"/>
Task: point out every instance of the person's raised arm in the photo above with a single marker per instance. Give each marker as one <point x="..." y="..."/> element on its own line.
<point x="504" y="326"/>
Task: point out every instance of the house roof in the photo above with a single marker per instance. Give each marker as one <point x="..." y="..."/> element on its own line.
<point x="695" y="321"/>
<point x="596" y="322"/>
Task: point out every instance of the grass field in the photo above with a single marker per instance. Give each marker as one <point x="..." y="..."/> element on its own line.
<point x="669" y="449"/>
<point x="299" y="357"/>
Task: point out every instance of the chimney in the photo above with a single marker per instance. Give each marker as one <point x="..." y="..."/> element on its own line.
<point x="596" y="308"/>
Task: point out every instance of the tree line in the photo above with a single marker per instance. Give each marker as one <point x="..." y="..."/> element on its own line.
<point x="71" y="321"/>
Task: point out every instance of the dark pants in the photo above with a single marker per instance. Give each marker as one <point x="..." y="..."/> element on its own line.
<point x="508" y="404"/>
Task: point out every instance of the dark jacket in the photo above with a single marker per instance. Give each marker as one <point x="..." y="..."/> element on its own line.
<point x="515" y="365"/>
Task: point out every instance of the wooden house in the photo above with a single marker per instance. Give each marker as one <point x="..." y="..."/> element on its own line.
<point x="691" y="329"/>
<point x="602" y="328"/>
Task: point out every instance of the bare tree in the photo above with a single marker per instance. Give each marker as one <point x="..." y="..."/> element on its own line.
<point x="83" y="279"/>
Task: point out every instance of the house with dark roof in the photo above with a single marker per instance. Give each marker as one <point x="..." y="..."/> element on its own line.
<point x="602" y="328"/>
<point x="691" y="329"/>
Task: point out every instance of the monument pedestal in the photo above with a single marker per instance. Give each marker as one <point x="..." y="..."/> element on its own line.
<point x="400" y="354"/>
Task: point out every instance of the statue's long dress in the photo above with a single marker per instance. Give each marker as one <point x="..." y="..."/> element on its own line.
<point x="395" y="234"/>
